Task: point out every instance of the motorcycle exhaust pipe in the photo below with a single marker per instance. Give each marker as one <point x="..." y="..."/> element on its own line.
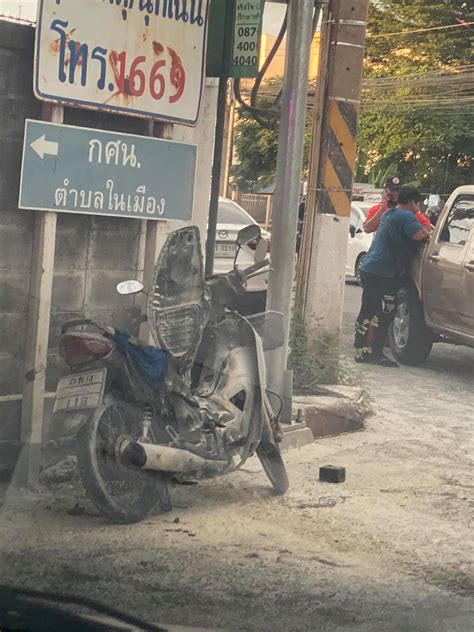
<point x="149" y="456"/>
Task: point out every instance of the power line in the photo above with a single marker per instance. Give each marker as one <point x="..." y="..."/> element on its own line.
<point x="281" y="52"/>
<point x="426" y="30"/>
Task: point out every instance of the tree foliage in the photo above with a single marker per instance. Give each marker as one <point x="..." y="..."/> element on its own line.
<point x="432" y="141"/>
<point x="426" y="130"/>
<point x="257" y="147"/>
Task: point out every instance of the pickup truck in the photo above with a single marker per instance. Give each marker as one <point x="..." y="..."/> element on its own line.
<point x="437" y="305"/>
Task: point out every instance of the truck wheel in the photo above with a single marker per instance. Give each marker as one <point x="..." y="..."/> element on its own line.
<point x="410" y="339"/>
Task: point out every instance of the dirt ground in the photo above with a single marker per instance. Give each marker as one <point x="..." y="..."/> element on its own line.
<point x="389" y="549"/>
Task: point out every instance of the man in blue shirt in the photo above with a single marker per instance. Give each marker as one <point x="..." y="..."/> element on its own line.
<point x="382" y="271"/>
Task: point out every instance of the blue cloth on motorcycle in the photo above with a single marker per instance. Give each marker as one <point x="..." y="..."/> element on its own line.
<point x="152" y="363"/>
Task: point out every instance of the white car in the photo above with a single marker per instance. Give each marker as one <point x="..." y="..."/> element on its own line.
<point x="230" y="219"/>
<point x="359" y="242"/>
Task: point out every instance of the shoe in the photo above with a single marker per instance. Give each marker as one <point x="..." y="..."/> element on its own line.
<point x="363" y="355"/>
<point x="382" y="360"/>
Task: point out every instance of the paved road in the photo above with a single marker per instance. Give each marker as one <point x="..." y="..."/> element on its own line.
<point x="448" y="368"/>
<point x="352" y="298"/>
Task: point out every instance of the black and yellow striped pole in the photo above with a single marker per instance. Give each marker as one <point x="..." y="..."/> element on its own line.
<point x="339" y="158"/>
<point x="332" y="162"/>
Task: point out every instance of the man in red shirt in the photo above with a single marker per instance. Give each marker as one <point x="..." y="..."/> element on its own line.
<point x="389" y="200"/>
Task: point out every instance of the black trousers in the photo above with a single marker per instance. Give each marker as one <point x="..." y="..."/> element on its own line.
<point x="374" y="290"/>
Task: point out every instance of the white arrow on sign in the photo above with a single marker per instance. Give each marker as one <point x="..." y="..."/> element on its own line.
<point x="43" y="146"/>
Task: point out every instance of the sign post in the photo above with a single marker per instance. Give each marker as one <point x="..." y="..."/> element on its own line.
<point x="80" y="170"/>
<point x="36" y="343"/>
<point x="240" y="24"/>
<point x="135" y="58"/>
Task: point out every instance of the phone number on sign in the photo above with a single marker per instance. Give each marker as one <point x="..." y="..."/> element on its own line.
<point x="158" y="75"/>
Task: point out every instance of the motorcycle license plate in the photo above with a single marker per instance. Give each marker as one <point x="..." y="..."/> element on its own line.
<point x="80" y="391"/>
<point x="224" y="249"/>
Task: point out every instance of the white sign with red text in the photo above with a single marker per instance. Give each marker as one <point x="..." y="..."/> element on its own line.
<point x="135" y="57"/>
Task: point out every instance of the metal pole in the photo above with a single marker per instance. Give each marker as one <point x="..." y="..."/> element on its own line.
<point x="216" y="175"/>
<point x="228" y="141"/>
<point x="219" y="141"/>
<point x="287" y="189"/>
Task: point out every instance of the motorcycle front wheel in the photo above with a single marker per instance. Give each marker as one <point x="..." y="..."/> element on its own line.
<point x="120" y="492"/>
<point x="273" y="465"/>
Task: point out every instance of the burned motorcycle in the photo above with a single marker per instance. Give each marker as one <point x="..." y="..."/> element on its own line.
<point x="193" y="405"/>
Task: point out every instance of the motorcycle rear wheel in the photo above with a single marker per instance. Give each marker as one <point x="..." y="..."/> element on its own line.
<point x="273" y="465"/>
<point x="122" y="493"/>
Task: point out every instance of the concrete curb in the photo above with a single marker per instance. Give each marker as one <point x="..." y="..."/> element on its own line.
<point x="338" y="410"/>
<point x="295" y="437"/>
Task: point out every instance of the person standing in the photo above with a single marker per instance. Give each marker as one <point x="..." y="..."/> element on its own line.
<point x="389" y="200"/>
<point x="383" y="270"/>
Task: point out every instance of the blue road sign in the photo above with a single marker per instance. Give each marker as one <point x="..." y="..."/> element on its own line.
<point x="80" y="170"/>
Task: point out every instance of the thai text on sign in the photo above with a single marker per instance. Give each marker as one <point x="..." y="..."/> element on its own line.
<point x="72" y="169"/>
<point x="138" y="57"/>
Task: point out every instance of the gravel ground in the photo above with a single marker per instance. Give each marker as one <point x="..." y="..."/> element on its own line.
<point x="390" y="549"/>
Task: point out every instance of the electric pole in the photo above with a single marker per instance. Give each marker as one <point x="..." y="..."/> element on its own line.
<point x="321" y="270"/>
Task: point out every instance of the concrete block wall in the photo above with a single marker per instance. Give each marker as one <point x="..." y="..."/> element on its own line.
<point x="92" y="253"/>
<point x="16" y="228"/>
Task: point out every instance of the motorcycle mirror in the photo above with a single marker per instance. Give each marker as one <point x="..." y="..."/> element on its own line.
<point x="261" y="251"/>
<point x="248" y="234"/>
<point x="129" y="287"/>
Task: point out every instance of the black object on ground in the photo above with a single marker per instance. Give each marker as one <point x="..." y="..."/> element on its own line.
<point x="332" y="474"/>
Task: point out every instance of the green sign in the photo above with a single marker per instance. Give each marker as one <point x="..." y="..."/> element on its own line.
<point x="73" y="169"/>
<point x="215" y="62"/>
<point x="247" y="34"/>
<point x="233" y="46"/>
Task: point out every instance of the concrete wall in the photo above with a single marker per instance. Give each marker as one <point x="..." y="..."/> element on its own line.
<point x="92" y="253"/>
<point x="16" y="229"/>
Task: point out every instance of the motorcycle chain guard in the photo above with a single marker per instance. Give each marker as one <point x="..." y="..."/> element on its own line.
<point x="177" y="308"/>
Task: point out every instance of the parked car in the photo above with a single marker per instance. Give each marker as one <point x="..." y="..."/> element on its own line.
<point x="359" y="242"/>
<point x="230" y="219"/>
<point x="437" y="305"/>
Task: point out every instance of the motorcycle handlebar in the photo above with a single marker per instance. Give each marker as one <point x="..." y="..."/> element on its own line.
<point x="256" y="268"/>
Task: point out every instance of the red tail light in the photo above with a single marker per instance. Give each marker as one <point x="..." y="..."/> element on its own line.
<point x="80" y="348"/>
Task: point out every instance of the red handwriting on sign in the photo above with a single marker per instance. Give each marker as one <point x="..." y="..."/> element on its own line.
<point x="177" y="75"/>
<point x="137" y="81"/>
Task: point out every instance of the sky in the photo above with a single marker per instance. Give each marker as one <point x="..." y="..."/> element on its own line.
<point x="273" y="17"/>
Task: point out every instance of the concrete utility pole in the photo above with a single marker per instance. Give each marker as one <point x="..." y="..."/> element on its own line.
<point x="287" y="188"/>
<point x="321" y="273"/>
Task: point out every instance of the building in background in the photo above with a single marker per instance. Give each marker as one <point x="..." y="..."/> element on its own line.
<point x="277" y="67"/>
